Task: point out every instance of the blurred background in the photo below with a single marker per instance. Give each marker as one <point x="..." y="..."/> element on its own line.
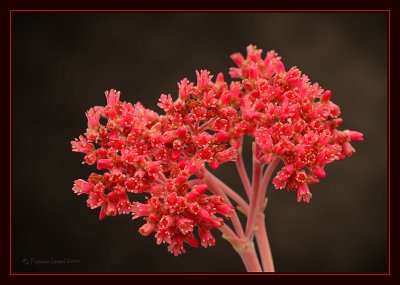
<point x="63" y="63"/>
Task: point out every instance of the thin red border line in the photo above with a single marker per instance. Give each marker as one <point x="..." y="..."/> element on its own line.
<point x="314" y="11"/>
<point x="11" y="11"/>
<point x="10" y="143"/>
<point x="203" y="273"/>
<point x="201" y="11"/>
<point x="388" y="150"/>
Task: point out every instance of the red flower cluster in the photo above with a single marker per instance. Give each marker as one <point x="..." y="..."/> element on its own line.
<point x="292" y="119"/>
<point x="160" y="155"/>
<point x="144" y="152"/>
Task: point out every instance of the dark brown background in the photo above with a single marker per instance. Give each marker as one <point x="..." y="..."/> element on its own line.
<point x="62" y="63"/>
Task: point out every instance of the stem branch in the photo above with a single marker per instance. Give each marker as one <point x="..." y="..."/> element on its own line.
<point x="247" y="252"/>
<point x="235" y="196"/>
<point x="242" y="169"/>
<point x="265" y="181"/>
<point x="212" y="182"/>
<point x="257" y="173"/>
<point x="263" y="244"/>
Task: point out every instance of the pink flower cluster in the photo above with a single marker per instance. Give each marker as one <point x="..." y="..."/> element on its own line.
<point x="141" y="151"/>
<point x="291" y="118"/>
<point x="164" y="156"/>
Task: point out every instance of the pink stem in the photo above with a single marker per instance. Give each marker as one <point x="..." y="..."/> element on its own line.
<point x="263" y="244"/>
<point x="245" y="248"/>
<point x="257" y="173"/>
<point x="227" y="232"/>
<point x="228" y="191"/>
<point x="242" y="241"/>
<point x="261" y="231"/>
<point x="212" y="182"/>
<point x="242" y="169"/>
<point x="250" y="259"/>
<point x="265" y="181"/>
<point x="193" y="182"/>
<point x="235" y="196"/>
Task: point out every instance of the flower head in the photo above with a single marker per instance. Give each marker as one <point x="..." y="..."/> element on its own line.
<point x="291" y="118"/>
<point x="143" y="152"/>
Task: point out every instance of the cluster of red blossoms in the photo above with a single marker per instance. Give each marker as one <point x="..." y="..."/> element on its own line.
<point x="291" y="118"/>
<point x="141" y="151"/>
